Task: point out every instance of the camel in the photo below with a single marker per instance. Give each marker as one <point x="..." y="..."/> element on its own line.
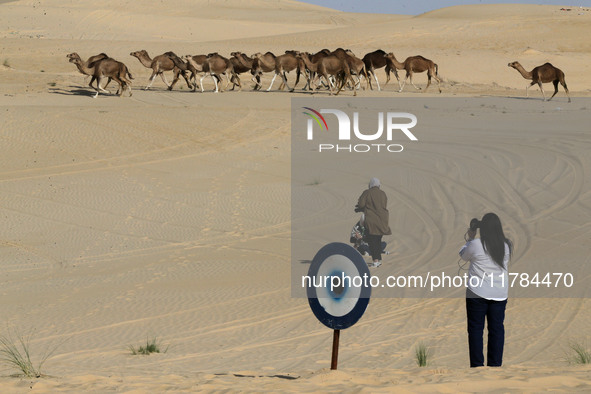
<point x="315" y="58"/>
<point x="357" y="67"/>
<point x="109" y="68"/>
<point x="375" y="60"/>
<point x="281" y="65"/>
<point x="240" y="60"/>
<point x="542" y="74"/>
<point x="90" y="60"/>
<point x="241" y="64"/>
<point x="311" y="64"/>
<point x="200" y="65"/>
<point x="185" y="66"/>
<point x="414" y="64"/>
<point x="328" y="66"/>
<point x="158" y="65"/>
<point x="218" y="65"/>
<point x="197" y="64"/>
<point x="259" y="67"/>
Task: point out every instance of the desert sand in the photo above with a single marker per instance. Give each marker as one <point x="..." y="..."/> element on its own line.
<point x="167" y="214"/>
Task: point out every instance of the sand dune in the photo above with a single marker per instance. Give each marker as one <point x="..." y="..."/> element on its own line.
<point x="167" y="214"/>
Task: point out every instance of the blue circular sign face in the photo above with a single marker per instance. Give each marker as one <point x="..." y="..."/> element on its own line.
<point x="339" y="287"/>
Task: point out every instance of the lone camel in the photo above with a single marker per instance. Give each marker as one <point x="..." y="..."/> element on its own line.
<point x="542" y="74"/>
<point x="414" y="64"/>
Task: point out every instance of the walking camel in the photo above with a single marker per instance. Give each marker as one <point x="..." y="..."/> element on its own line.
<point x="241" y="64"/>
<point x="376" y="60"/>
<point x="542" y="74"/>
<point x="185" y="66"/>
<point x="158" y="65"/>
<point x="216" y="66"/>
<point x="259" y="67"/>
<point x="199" y="64"/>
<point x="281" y="65"/>
<point x="240" y="61"/>
<point x="414" y="64"/>
<point x="313" y="59"/>
<point x="90" y="60"/>
<point x="330" y="66"/>
<point x="102" y="68"/>
<point x="357" y="67"/>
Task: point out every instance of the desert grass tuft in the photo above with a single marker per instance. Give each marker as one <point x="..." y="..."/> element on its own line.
<point x="422" y="354"/>
<point x="151" y="346"/>
<point x="17" y="354"/>
<point x="579" y="354"/>
<point x="6" y="63"/>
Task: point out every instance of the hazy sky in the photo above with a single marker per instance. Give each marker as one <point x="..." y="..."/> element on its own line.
<point x="415" y="7"/>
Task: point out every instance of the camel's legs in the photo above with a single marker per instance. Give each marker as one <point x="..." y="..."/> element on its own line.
<point x="346" y="79"/>
<point x="94" y="78"/>
<point x="236" y="81"/>
<point x="438" y="82"/>
<point x="563" y="83"/>
<point x="201" y="82"/>
<point x="313" y="85"/>
<point x="273" y="80"/>
<point x="388" y="71"/>
<point x="312" y="78"/>
<point x="555" y="83"/>
<point x="151" y="81"/>
<point x="98" y="87"/>
<point x="415" y="86"/>
<point x="98" y="84"/>
<point x="308" y="75"/>
<point x="329" y="84"/>
<point x="216" y="83"/>
<point x="128" y="86"/>
<point x="373" y="71"/>
<point x="358" y="82"/>
<point x="164" y="79"/>
<point x="187" y="80"/>
<point x="284" y="77"/>
<point x="193" y="78"/>
<point x="428" y="82"/>
<point x="397" y="78"/>
<point x="298" y="72"/>
<point x="120" y="89"/>
<point x="354" y="85"/>
<point x="367" y="80"/>
<point x="257" y="82"/>
<point x="176" y="78"/>
<point x="403" y="83"/>
<point x="227" y="81"/>
<point x="542" y="90"/>
<point x="178" y="72"/>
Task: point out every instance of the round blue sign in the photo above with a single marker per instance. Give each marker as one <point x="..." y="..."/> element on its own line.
<point x="339" y="286"/>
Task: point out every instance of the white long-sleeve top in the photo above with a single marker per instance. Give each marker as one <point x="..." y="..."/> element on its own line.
<point x="485" y="278"/>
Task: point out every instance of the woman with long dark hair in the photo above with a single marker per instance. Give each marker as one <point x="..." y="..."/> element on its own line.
<point x="487" y="292"/>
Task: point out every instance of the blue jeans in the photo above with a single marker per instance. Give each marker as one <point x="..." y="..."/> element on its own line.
<point x="477" y="309"/>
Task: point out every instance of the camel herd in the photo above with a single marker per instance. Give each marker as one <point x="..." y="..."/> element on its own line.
<point x="332" y="70"/>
